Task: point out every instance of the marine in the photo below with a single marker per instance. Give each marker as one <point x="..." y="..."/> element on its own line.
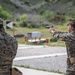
<point x="8" y="50"/>
<point x="69" y="38"/>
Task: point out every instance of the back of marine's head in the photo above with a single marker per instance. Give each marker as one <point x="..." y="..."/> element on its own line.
<point x="1" y="23"/>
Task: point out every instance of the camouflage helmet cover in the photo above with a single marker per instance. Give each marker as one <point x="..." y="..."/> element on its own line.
<point x="71" y="22"/>
<point x="1" y="23"/>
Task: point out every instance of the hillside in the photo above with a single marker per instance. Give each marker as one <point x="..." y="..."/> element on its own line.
<point x="65" y="6"/>
<point x="18" y="7"/>
<point x="11" y="8"/>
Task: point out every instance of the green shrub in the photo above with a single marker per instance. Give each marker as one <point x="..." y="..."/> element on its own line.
<point x="47" y="14"/>
<point x="27" y="3"/>
<point x="23" y="17"/>
<point x="41" y="12"/>
<point x="4" y="14"/>
<point x="18" y="19"/>
<point x="22" y="20"/>
<point x="53" y="40"/>
<point x="23" y="24"/>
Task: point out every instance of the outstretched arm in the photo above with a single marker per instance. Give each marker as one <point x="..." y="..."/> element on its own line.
<point x="59" y="35"/>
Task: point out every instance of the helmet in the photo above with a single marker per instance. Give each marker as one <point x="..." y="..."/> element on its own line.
<point x="1" y="23"/>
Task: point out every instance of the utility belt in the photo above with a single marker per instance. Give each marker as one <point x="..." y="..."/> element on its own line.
<point x="72" y="60"/>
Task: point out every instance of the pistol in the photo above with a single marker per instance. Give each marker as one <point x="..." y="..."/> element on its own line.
<point x="49" y="27"/>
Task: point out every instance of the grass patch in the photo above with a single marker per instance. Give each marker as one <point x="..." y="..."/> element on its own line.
<point x="44" y="31"/>
<point x="41" y="69"/>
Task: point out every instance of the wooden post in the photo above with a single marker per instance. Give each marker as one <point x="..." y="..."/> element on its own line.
<point x="13" y="31"/>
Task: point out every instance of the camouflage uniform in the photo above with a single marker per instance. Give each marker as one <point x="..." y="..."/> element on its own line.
<point x="69" y="39"/>
<point x="8" y="50"/>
